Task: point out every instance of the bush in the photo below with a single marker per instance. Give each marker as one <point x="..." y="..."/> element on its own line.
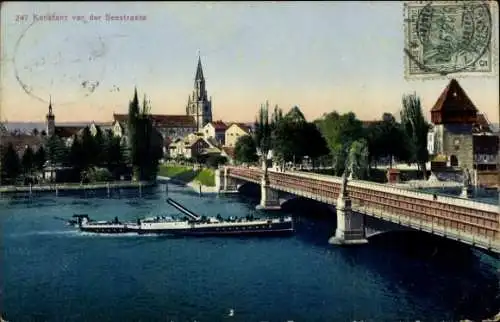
<point x="215" y="160"/>
<point x="97" y="175"/>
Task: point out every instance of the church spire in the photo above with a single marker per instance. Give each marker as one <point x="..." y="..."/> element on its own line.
<point x="199" y="70"/>
<point x="50" y="105"/>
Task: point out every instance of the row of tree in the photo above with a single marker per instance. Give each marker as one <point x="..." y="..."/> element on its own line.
<point x="339" y="139"/>
<point x="87" y="152"/>
<point x="90" y="152"/>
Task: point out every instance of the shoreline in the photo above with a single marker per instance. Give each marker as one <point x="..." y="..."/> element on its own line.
<point x="194" y="185"/>
<point x="76" y="186"/>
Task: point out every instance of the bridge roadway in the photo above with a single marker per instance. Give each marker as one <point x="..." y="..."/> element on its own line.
<point x="459" y="219"/>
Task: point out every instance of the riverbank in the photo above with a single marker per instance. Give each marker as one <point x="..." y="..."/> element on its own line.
<point x="76" y="186"/>
<point x="203" y="179"/>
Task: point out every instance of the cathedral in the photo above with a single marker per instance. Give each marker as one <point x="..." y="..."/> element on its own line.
<point x="198" y="113"/>
<point x="198" y="105"/>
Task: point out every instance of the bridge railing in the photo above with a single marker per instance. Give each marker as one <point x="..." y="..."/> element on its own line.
<point x="467" y="217"/>
<point x="486" y="242"/>
<point x="471" y="204"/>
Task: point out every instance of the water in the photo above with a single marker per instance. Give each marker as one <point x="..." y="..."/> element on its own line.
<point x="52" y="273"/>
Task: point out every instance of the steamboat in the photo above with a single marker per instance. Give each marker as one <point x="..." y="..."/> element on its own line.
<point x="192" y="224"/>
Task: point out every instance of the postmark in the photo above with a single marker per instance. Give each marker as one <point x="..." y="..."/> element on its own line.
<point x="45" y="65"/>
<point x="450" y="38"/>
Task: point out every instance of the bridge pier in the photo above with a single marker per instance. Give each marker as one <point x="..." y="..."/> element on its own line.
<point x="224" y="183"/>
<point x="269" y="198"/>
<point x="350" y="225"/>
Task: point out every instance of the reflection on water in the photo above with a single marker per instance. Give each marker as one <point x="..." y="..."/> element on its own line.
<point x="56" y="273"/>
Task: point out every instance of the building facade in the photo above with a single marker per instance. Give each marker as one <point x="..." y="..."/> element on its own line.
<point x="192" y="146"/>
<point x="461" y="137"/>
<point x="453" y="117"/>
<point x="170" y="126"/>
<point x="68" y="133"/>
<point x="234" y="132"/>
<point x="199" y="106"/>
<point x="215" y="130"/>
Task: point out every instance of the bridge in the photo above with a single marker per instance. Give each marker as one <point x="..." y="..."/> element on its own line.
<point x="459" y="219"/>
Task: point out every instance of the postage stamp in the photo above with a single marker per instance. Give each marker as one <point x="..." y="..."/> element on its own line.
<point x="456" y="38"/>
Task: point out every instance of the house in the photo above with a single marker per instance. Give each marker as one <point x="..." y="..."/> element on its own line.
<point x="192" y="146"/>
<point x="170" y="126"/>
<point x="215" y="130"/>
<point x="235" y="131"/>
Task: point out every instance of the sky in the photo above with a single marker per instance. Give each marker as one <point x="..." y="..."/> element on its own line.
<point x="320" y="56"/>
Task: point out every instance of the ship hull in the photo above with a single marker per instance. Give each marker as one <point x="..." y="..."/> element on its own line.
<point x="271" y="229"/>
<point x="106" y="230"/>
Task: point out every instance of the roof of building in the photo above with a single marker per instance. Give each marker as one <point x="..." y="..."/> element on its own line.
<point x="243" y="126"/>
<point x="229" y="151"/>
<point x="219" y="125"/>
<point x="453" y="98"/>
<point x="212" y="141"/>
<point x="161" y="120"/>
<point x="67" y="131"/>
<point x="482" y="124"/>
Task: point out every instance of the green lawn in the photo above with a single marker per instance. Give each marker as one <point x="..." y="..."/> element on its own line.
<point x="206" y="177"/>
<point x="185" y="174"/>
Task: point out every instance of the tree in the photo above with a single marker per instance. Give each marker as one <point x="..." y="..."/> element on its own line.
<point x="100" y="147"/>
<point x="40" y="158"/>
<point x="415" y="128"/>
<point x="214" y="161"/>
<point x="359" y="159"/>
<point x="28" y="161"/>
<point x="133" y="132"/>
<point x="56" y="150"/>
<point x="11" y="165"/>
<point x="77" y="155"/>
<point x="315" y="145"/>
<point x="90" y="150"/>
<point x="115" y="154"/>
<point x="385" y="139"/>
<point x="340" y="131"/>
<point x="245" y="150"/>
<point x="263" y="135"/>
<point x="145" y="142"/>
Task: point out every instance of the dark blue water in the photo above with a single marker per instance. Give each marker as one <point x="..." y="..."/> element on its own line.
<point x="51" y="273"/>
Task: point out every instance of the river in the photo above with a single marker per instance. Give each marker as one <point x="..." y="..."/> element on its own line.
<point x="52" y="273"/>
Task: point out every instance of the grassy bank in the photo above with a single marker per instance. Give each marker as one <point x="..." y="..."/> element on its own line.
<point x="186" y="174"/>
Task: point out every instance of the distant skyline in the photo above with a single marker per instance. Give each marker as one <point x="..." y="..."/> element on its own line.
<point x="320" y="56"/>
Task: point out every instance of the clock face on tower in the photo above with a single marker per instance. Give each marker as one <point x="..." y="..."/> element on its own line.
<point x="457" y="142"/>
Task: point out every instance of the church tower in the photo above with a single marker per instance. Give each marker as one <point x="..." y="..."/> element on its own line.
<point x="199" y="106"/>
<point x="51" y="124"/>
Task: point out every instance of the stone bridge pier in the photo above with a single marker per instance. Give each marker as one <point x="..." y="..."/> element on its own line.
<point x="269" y="198"/>
<point x="225" y="183"/>
<point x="350" y="225"/>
